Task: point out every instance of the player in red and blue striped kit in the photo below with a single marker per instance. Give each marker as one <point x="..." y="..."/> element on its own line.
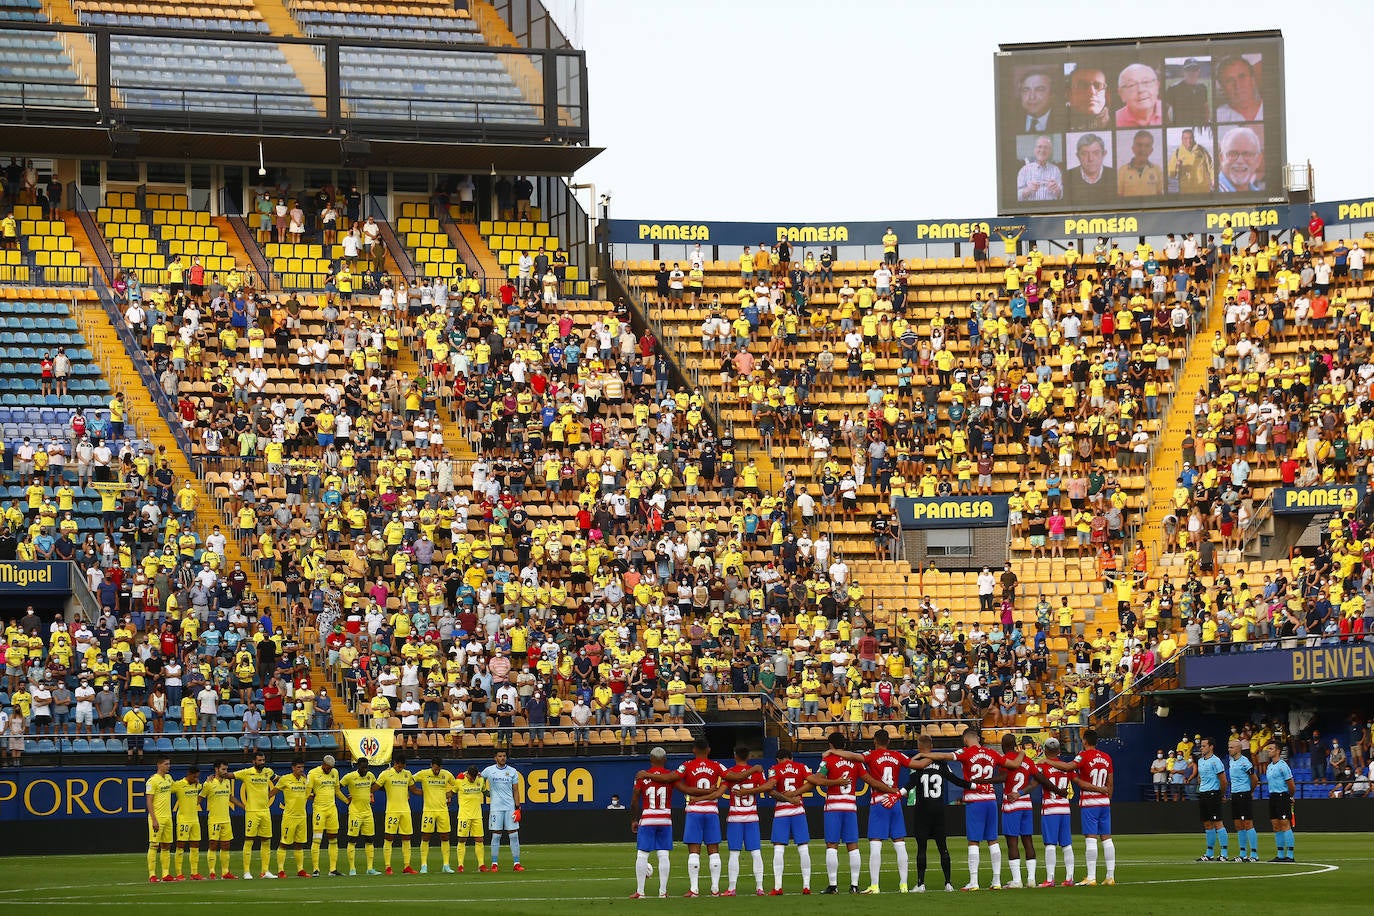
<point x="1056" y="830"/>
<point x="742" y="821"/>
<point x="982" y="769"/>
<point x="653" y="826"/>
<point x="786" y="783"/>
<point x="1092" y="772"/>
<point x="1018" y="817"/>
<point x="839" y="776"/>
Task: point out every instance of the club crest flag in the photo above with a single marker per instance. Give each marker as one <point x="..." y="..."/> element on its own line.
<point x="372" y="743"/>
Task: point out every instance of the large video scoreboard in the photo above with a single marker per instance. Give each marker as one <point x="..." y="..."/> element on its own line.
<point x="1166" y="122"/>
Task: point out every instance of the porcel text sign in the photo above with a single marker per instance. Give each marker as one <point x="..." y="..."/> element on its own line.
<point x="951" y="512"/>
<point x="1085" y="224"/>
<point x="42" y="577"/>
<point x="1354" y="661"/>
<point x="1312" y="500"/>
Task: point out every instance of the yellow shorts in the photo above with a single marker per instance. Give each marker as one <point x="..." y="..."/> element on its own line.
<point x="163" y="833"/>
<point x="398" y="823"/>
<point x="257" y="825"/>
<point x="470" y="828"/>
<point x="327" y="820"/>
<point x="221" y="832"/>
<point x="435" y="822"/>
<point x="188" y="831"/>
<point x="293" y="830"/>
<point x="361" y="824"/>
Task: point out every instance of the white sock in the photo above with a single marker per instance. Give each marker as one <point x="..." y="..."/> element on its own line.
<point x="973" y="857"/>
<point x="714" y="861"/>
<point x="1030" y="873"/>
<point x="1050" y="853"/>
<point x="875" y="861"/>
<point x="1068" y="862"/>
<point x="1091" y="845"/>
<point x="902" y="861"/>
<point x="693" y="871"/>
<point x="856" y="867"/>
<point x="779" y="851"/>
<point x="732" y="869"/>
<point x="664" y="866"/>
<point x="641" y="870"/>
<point x="832" y="866"/>
<point x="1109" y="853"/>
<point x="758" y="869"/>
<point x="995" y="854"/>
<point x="1015" y="872"/>
<point x="804" y="854"/>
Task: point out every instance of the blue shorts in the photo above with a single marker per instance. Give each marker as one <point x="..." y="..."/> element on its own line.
<point x="325" y="439"/>
<point x="653" y="837"/>
<point x="980" y="822"/>
<point x="501" y="820"/>
<point x="701" y="829"/>
<point x="1056" y="830"/>
<point x="743" y="836"/>
<point x="790" y="827"/>
<point x="1018" y="823"/>
<point x="1097" y="821"/>
<point x="842" y="827"/>
<point x="886" y="823"/>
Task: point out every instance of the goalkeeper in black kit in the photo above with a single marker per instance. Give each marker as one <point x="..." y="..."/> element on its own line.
<point x="925" y="799"/>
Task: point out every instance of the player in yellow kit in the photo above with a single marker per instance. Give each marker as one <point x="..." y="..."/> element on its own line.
<point x="436" y="787"/>
<point x="396" y="782"/>
<point x="256" y="798"/>
<point x="157" y="798"/>
<point x="471" y="790"/>
<point x="294" y="789"/>
<point x="324" y="790"/>
<point x="186" y="792"/>
<point x="218" y="792"/>
<point x="356" y="789"/>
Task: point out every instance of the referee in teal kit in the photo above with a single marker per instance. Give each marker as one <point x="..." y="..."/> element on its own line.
<point x="1242" y="778"/>
<point x="1280" y="779"/>
<point x="1211" y="786"/>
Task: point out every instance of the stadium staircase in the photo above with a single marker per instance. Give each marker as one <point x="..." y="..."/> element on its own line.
<point x="486" y="258"/>
<point x="1178" y="421"/>
<point x="236" y="227"/>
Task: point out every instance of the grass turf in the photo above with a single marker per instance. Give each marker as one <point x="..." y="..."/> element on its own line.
<point x="1155" y="874"/>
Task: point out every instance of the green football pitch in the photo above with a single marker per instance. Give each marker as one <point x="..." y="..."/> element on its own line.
<point x="1155" y="874"/>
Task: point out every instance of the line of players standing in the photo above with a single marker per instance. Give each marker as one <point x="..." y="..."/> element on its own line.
<point x="704" y="781"/>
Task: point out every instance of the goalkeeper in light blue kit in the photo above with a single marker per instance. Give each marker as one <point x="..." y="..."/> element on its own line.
<point x="503" y="818"/>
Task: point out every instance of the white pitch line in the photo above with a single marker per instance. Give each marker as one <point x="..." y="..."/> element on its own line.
<point x="220" y="901"/>
<point x="1320" y="869"/>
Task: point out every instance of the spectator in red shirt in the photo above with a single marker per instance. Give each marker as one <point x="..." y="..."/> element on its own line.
<point x="1316" y="231"/>
<point x="868" y="655"/>
<point x="272" y="701"/>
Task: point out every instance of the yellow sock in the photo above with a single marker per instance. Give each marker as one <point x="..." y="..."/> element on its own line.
<point x="166" y="861"/>
<point x="248" y="858"/>
<point x="443" y="848"/>
<point x="315" y="853"/>
<point x="152" y="862"/>
<point x="424" y="853"/>
<point x="370" y="852"/>
<point x="300" y="859"/>
<point x="386" y="854"/>
<point x="462" y="854"/>
<point x="179" y="859"/>
<point x="334" y="856"/>
<point x="281" y="858"/>
<point x="405" y="853"/>
<point x="195" y="860"/>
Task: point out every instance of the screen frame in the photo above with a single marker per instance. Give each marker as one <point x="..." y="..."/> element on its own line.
<point x="1055" y="55"/>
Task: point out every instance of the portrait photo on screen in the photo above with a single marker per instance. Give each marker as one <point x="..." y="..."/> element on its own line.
<point x="1038" y="105"/>
<point x="1090" y="170"/>
<point x="1240" y="157"/>
<point x="1188" y="89"/>
<point x="1089" y="98"/>
<point x="1238" y="79"/>
<point x="1191" y="168"/>
<point x="1140" y="163"/>
<point x="1139" y="89"/>
<point x="1041" y="175"/>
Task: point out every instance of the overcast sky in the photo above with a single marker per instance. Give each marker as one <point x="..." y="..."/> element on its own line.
<point x="816" y="110"/>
